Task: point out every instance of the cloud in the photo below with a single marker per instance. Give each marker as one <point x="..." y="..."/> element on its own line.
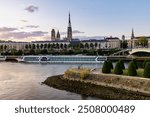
<point x="74" y="32"/>
<point x="32" y="26"/>
<point x="32" y="8"/>
<point x="22" y="35"/>
<point x="7" y="29"/>
<point x="77" y="32"/>
<point x="24" y="21"/>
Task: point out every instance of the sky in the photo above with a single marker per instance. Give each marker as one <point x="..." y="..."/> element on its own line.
<point x="30" y="20"/>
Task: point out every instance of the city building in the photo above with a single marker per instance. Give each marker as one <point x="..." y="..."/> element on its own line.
<point x="113" y="42"/>
<point x="57" y="43"/>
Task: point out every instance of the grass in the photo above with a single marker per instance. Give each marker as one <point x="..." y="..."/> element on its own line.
<point x="139" y="72"/>
<point x="83" y="72"/>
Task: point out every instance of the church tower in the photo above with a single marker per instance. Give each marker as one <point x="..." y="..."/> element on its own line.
<point x="132" y="37"/>
<point x="69" y="30"/>
<point x="58" y="35"/>
<point x="53" y="35"/>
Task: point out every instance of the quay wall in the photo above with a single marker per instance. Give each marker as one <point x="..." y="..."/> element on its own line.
<point x="104" y="86"/>
<point x="11" y="58"/>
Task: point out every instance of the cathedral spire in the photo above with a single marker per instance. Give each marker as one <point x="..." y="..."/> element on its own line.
<point x="69" y="30"/>
<point x="132" y="35"/>
<point x="58" y="35"/>
<point x="69" y="23"/>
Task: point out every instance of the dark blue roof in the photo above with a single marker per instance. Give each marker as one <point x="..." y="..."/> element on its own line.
<point x="92" y="40"/>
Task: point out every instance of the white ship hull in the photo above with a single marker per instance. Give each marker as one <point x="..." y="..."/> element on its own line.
<point x="2" y="58"/>
<point x="62" y="59"/>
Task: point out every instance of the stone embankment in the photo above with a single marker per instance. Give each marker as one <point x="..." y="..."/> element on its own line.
<point x="104" y="86"/>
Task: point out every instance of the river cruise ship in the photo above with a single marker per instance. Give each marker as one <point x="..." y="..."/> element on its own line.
<point x="62" y="59"/>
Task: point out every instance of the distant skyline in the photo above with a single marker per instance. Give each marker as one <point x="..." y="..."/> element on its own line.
<point x="30" y="20"/>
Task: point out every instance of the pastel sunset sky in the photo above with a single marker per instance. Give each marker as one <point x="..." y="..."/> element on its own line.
<point x="29" y="20"/>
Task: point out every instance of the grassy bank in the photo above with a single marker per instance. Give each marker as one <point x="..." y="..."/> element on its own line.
<point x="139" y="72"/>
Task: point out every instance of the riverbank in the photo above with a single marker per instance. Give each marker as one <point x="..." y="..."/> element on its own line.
<point x="104" y="86"/>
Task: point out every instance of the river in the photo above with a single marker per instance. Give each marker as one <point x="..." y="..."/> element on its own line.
<point x="19" y="81"/>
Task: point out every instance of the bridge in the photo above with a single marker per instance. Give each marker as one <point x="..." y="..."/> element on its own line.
<point x="140" y="50"/>
<point x="121" y="53"/>
<point x="134" y="51"/>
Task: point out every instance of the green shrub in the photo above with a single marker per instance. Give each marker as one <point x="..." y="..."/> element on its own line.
<point x="146" y="73"/>
<point x="110" y="64"/>
<point x="132" y="69"/>
<point x="135" y="62"/>
<point x="144" y="63"/>
<point x="118" y="69"/>
<point x="122" y="64"/>
<point x="106" y="67"/>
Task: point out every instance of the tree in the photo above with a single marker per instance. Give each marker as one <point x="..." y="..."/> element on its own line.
<point x="53" y="46"/>
<point x="118" y="69"/>
<point x="30" y="46"/>
<point x="132" y="69"/>
<point x="106" y="68"/>
<point x="86" y="45"/>
<point x="122" y="64"/>
<point x="57" y="45"/>
<point x="69" y="46"/>
<point x="13" y="51"/>
<point x="37" y="46"/>
<point x="61" y="46"/>
<point x="92" y="45"/>
<point x="49" y="45"/>
<point x="81" y="46"/>
<point x="135" y="62"/>
<point x="44" y="51"/>
<point x="32" y="52"/>
<point x="96" y="45"/>
<point x="26" y="46"/>
<point x="45" y="45"/>
<point x="144" y="64"/>
<point x="110" y="64"/>
<point x="33" y="46"/>
<point x="41" y="46"/>
<point x="142" y="41"/>
<point x="146" y="73"/>
<point x="5" y="47"/>
<point x="124" y="44"/>
<point x="65" y="46"/>
<point x="20" y="52"/>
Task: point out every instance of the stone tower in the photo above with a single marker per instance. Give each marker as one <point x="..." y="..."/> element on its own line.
<point x="132" y="35"/>
<point x="53" y="35"/>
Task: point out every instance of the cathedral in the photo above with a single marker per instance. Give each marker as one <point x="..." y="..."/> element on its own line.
<point x="56" y="37"/>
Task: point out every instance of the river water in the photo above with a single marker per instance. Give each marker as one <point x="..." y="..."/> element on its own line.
<point x="19" y="81"/>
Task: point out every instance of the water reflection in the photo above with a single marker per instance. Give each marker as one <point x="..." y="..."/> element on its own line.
<point x="22" y="81"/>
